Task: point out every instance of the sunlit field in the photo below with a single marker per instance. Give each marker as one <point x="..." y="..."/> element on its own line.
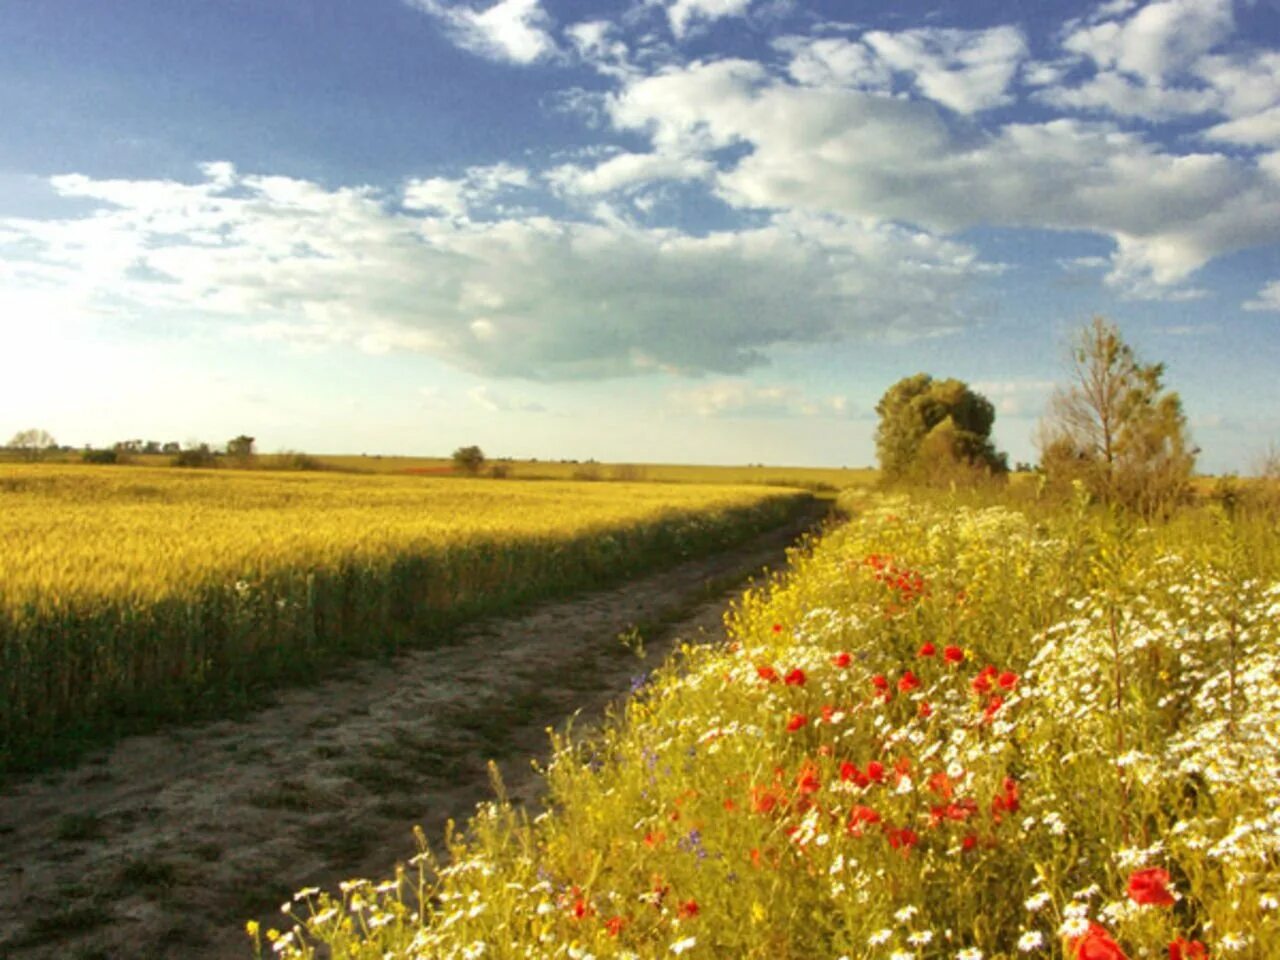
<point x="829" y="478"/>
<point x="953" y="731"/>
<point x="142" y="594"/>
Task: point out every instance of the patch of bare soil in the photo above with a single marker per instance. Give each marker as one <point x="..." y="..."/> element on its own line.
<point x="163" y="845"/>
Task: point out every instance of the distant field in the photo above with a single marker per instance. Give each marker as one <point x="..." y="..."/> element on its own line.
<point x="155" y="592"/>
<point x="834" y="478"/>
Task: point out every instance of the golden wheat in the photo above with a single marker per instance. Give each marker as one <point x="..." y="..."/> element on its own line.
<point x="127" y="592"/>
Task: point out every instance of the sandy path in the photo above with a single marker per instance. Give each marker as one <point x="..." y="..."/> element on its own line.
<point x="163" y="845"/>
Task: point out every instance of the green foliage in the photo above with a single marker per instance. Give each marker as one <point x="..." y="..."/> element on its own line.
<point x="101" y="456"/>
<point x="469" y="460"/>
<point x="936" y="432"/>
<point x="1116" y="429"/>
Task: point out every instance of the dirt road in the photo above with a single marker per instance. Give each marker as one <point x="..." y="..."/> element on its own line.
<point x="163" y="845"/>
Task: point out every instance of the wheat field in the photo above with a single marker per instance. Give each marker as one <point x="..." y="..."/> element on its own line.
<point x="130" y="596"/>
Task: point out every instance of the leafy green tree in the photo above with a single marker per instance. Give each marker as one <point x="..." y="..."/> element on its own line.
<point x="468" y="460"/>
<point x="936" y="431"/>
<point x="1116" y="428"/>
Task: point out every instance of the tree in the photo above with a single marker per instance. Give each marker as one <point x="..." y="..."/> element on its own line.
<point x="1115" y="428"/>
<point x="468" y="460"/>
<point x="240" y="449"/>
<point x="33" y="443"/>
<point x="936" y="431"/>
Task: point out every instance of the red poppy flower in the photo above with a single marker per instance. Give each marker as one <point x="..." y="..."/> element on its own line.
<point x="940" y="784"/>
<point x="969" y="842"/>
<point x="859" y="816"/>
<point x="927" y="650"/>
<point x="1181" y="949"/>
<point x="880" y="682"/>
<point x="654" y="838"/>
<point x="613" y="926"/>
<point x="902" y="838"/>
<point x="795" y="678"/>
<point x="1150" y="887"/>
<point x="981" y="684"/>
<point x="777" y="628"/>
<point x="762" y="800"/>
<point x="908" y="682"/>
<point x="767" y="673"/>
<point x="842" y="659"/>
<point x="993" y="707"/>
<point x="1008" y="680"/>
<point x="796" y="721"/>
<point x="953" y="654"/>
<point x="926" y="711"/>
<point x="1006" y="801"/>
<point x="688" y="909"/>
<point x="875" y="771"/>
<point x="1097" y="944"/>
<point x="808" y="781"/>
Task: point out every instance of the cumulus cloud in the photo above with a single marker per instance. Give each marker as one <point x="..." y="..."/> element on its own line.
<point x="629" y="169"/>
<point x="1268" y="298"/>
<point x="1159" y="62"/>
<point x="508" y="294"/>
<point x="964" y="70"/>
<point x="516" y="31"/>
<point x="683" y="15"/>
<point x="458" y="197"/>
<point x="1159" y="40"/>
<point x="736" y="398"/>
<point x="867" y="155"/>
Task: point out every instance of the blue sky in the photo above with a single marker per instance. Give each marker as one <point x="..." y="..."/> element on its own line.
<point x="642" y="230"/>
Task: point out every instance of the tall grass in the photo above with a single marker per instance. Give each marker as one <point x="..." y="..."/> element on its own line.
<point x="954" y="731"/>
<point x="131" y="598"/>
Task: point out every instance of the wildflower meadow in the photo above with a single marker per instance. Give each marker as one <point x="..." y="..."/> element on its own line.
<point x="951" y="731"/>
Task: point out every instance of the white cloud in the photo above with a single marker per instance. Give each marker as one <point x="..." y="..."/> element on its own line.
<point x="1110" y="91"/>
<point x="460" y="197"/>
<point x="1268" y="298"/>
<point x="682" y="15"/>
<point x="520" y="294"/>
<point x="865" y="155"/>
<point x="835" y="62"/>
<point x="1257" y="130"/>
<point x="516" y="31"/>
<point x="964" y="70"/>
<point x="1159" y="62"/>
<point x="735" y="398"/>
<point x="1160" y="40"/>
<point x="597" y="42"/>
<point x="629" y="169"/>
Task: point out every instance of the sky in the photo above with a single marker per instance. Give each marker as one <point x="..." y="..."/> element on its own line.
<point x="710" y="231"/>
